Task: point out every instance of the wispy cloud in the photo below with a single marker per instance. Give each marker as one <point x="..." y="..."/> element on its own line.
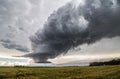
<point x="12" y="45"/>
<point x="12" y="61"/>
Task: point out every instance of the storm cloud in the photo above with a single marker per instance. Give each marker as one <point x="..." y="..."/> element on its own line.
<point x="78" y="22"/>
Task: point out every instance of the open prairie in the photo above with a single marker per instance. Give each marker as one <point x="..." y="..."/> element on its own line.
<point x="93" y="72"/>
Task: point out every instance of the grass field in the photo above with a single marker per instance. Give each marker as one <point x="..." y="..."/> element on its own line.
<point x="94" y="72"/>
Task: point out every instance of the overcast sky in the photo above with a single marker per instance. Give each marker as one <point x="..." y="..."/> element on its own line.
<point x="21" y="19"/>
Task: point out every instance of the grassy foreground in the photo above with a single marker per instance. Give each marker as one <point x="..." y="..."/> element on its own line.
<point x="94" y="72"/>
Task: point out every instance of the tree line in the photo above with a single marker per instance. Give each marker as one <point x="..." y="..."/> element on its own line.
<point x="111" y="62"/>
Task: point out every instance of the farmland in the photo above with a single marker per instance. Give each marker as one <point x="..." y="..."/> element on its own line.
<point x="93" y="72"/>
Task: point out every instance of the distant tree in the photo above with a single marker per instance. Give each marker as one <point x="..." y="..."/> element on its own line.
<point x="111" y="62"/>
<point x="19" y="66"/>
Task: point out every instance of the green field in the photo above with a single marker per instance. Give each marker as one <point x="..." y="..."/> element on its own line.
<point x="94" y="72"/>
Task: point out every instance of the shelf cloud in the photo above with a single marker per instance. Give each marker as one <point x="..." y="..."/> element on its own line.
<point x="74" y="24"/>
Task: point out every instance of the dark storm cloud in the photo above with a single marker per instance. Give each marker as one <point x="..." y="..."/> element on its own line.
<point x="12" y="45"/>
<point x="41" y="57"/>
<point x="73" y="25"/>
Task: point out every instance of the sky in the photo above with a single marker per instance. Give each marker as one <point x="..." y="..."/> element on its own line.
<point x="41" y="30"/>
